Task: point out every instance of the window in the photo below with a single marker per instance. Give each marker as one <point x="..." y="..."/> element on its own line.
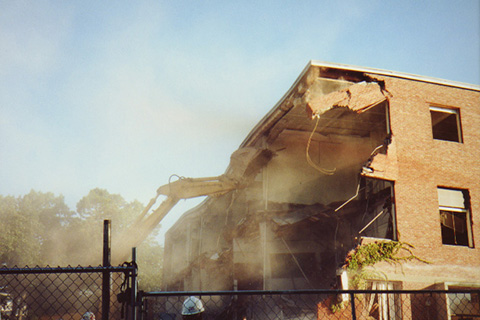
<point x="446" y="124"/>
<point x="455" y="222"/>
<point x="383" y="306"/>
<point x="376" y="215"/>
<point x="464" y="305"/>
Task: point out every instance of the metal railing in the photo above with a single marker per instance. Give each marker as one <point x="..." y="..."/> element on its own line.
<point x="317" y="304"/>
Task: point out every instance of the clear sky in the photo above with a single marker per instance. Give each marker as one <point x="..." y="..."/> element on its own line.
<point x="122" y="94"/>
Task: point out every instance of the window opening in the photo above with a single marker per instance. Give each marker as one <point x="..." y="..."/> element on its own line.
<point x="378" y="217"/>
<point x="383" y="306"/>
<point x="454" y="207"/>
<point x="464" y="305"/>
<point x="446" y="124"/>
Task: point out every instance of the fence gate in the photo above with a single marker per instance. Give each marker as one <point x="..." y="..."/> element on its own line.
<point x="68" y="293"/>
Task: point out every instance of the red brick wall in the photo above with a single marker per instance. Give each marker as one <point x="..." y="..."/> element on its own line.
<point x="418" y="164"/>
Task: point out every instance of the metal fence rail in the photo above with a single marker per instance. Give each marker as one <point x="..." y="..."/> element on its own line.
<point x="318" y="304"/>
<point x="64" y="293"/>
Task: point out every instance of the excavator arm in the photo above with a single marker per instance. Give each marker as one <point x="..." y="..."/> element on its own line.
<point x="245" y="163"/>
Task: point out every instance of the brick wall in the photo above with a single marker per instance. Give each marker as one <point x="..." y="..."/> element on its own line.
<point x="418" y="164"/>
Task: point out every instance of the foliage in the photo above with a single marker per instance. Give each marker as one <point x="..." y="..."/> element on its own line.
<point x="92" y="209"/>
<point x="335" y="307"/>
<point x="362" y="256"/>
<point x="366" y="255"/>
<point x="150" y="265"/>
<point x="359" y="278"/>
<point x="371" y="253"/>
<point x="39" y="229"/>
<point x="30" y="226"/>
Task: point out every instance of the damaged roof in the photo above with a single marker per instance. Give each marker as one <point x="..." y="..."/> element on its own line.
<point x="324" y="86"/>
<point x="347" y="100"/>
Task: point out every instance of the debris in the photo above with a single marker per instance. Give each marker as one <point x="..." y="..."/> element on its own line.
<point x="359" y="97"/>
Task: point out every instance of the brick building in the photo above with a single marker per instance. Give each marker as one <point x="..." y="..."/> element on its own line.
<point x="356" y="156"/>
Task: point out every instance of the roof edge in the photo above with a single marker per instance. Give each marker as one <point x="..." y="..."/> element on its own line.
<point x="395" y="74"/>
<point x="275" y="111"/>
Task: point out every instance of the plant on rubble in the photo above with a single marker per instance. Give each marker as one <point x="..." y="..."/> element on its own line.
<point x="394" y="252"/>
<point x="335" y="307"/>
<point x="390" y="251"/>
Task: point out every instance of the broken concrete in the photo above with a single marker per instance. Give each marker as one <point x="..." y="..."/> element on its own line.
<point x="359" y="98"/>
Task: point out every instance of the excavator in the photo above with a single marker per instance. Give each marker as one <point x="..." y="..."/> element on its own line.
<point x="245" y="164"/>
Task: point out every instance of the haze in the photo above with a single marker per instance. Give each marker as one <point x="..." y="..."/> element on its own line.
<point x="121" y="96"/>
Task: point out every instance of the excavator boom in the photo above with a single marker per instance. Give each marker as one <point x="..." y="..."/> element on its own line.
<point x="244" y="165"/>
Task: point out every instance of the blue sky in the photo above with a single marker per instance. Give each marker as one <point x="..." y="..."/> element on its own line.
<point x="122" y="95"/>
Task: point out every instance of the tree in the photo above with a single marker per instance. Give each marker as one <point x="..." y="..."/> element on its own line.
<point x="150" y="265"/>
<point x="99" y="205"/>
<point x="92" y="209"/>
<point x="31" y="225"/>
<point x="9" y="236"/>
<point x="39" y="229"/>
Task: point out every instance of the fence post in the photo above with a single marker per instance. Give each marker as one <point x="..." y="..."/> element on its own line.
<point x="352" y="302"/>
<point x="142" y="305"/>
<point x="106" y="274"/>
<point x="134" y="284"/>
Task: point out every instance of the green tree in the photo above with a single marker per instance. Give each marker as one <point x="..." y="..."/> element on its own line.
<point x="92" y="209"/>
<point x="31" y="225"/>
<point x="87" y="242"/>
<point x="39" y="229"/>
<point x="150" y="265"/>
<point x="10" y="237"/>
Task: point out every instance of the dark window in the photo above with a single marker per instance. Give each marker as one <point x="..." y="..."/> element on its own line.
<point x="454" y="207"/>
<point x="446" y="124"/>
<point x="377" y="217"/>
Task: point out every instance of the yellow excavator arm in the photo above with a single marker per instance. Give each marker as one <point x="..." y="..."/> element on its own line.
<point x="245" y="163"/>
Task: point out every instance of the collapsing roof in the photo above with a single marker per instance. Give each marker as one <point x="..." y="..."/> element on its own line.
<point x="314" y="154"/>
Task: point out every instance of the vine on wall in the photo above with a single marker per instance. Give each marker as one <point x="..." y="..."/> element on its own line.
<point x="394" y="252"/>
<point x="369" y="254"/>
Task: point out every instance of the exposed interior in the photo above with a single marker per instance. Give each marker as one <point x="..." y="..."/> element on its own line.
<point x="309" y="204"/>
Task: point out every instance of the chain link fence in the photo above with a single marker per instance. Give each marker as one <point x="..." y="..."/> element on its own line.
<point x="318" y="304"/>
<point x="65" y="293"/>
